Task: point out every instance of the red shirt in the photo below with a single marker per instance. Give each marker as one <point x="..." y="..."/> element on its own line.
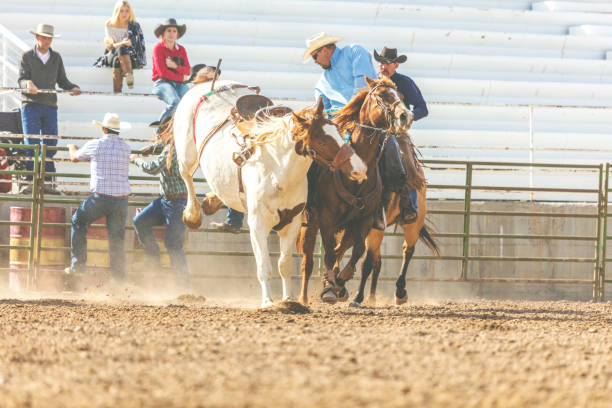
<point x="160" y="70"/>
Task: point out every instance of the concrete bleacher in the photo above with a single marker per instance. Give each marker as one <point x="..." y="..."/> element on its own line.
<point x="471" y="59"/>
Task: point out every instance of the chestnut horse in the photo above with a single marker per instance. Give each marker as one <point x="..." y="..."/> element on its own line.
<point x="274" y="186"/>
<point x="341" y="209"/>
<point x="412" y="233"/>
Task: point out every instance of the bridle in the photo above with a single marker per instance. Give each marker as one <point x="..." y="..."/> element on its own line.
<point x="342" y="156"/>
<point x="386" y="110"/>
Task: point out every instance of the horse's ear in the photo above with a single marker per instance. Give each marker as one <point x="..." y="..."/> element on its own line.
<point x="320" y="107"/>
<point x="299" y="119"/>
<point x="370" y="82"/>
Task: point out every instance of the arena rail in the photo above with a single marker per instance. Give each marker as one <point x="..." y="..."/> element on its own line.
<point x="38" y="200"/>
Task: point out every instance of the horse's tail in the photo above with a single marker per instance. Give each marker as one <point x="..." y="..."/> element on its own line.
<point x="429" y="241"/>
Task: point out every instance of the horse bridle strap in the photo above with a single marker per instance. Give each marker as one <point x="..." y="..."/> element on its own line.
<point x="344" y="153"/>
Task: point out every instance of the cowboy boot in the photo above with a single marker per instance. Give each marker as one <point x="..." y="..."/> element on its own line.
<point x="408" y="209"/>
<point x="126" y="67"/>
<point x="117" y="80"/>
<point x="211" y="203"/>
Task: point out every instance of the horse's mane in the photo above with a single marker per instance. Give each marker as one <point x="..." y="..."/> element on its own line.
<point x="349" y="115"/>
<point x="271" y="129"/>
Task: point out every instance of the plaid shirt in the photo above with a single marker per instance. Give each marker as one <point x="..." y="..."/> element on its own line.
<point x="110" y="164"/>
<point x="171" y="182"/>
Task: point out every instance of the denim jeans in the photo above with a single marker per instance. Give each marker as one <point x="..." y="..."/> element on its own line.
<point x="414" y="199"/>
<point x="92" y="208"/>
<point x="171" y="93"/>
<point x="170" y="214"/>
<point x="39" y="119"/>
<point x="234" y="218"/>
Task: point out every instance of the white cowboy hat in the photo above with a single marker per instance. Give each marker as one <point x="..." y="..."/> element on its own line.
<point x="111" y="121"/>
<point x="316" y="41"/>
<point x="46" y="30"/>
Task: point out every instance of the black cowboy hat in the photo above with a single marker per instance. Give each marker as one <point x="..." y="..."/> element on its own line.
<point x="170" y="22"/>
<point x="389" y="56"/>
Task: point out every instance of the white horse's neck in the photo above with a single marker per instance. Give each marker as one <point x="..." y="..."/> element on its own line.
<point x="280" y="154"/>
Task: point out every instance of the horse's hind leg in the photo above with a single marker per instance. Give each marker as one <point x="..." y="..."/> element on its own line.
<point x="288" y="236"/>
<point x="192" y="217"/>
<point x="306" y="245"/>
<point x="411" y="236"/>
<point x="373" y="241"/>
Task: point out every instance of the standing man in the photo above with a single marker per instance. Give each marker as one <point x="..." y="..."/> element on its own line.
<point x="110" y="188"/>
<point x="41" y="68"/>
<point x="388" y="62"/>
<point x="344" y="71"/>
<point x="165" y="210"/>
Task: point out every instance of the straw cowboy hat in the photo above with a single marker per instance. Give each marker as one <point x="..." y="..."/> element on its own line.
<point x="317" y="41"/>
<point x="170" y="22"/>
<point x="46" y="30"/>
<point x="111" y="121"/>
<point x="389" y="56"/>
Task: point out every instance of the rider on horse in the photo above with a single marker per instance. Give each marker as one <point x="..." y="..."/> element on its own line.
<point x="343" y="77"/>
<point x="388" y="61"/>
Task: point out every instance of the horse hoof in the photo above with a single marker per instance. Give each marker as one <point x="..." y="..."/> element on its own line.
<point x="402" y="300"/>
<point x="266" y="304"/>
<point x="343" y="295"/>
<point x="192" y="224"/>
<point x="355" y="304"/>
<point x="211" y="204"/>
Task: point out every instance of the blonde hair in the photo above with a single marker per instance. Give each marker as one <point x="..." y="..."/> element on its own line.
<point x="114" y="20"/>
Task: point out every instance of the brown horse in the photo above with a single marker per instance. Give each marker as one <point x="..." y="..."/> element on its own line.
<point x="344" y="210"/>
<point x="412" y="233"/>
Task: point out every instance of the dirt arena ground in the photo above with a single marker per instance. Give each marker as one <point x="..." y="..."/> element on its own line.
<point x="194" y="352"/>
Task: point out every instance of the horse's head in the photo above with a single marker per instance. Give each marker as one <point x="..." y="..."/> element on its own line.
<point x="318" y="137"/>
<point x="384" y="107"/>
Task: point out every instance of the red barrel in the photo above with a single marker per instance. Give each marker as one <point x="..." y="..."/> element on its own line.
<point x="51" y="261"/>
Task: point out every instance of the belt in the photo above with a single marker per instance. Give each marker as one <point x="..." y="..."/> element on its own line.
<point x="124" y="197"/>
<point x="174" y="197"/>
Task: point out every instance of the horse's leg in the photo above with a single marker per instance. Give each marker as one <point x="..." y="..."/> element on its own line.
<point x="288" y="236"/>
<point x="371" y="263"/>
<point x="192" y="217"/>
<point x="329" y="242"/>
<point x="411" y="236"/>
<point x="306" y="245"/>
<point x="259" y="234"/>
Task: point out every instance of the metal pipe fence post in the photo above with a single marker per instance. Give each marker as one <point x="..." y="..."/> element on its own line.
<point x="38" y="186"/>
<point x="33" y="223"/>
<point x="600" y="214"/>
<point x="466" y="220"/>
<point x="604" y="237"/>
<point x="531" y="147"/>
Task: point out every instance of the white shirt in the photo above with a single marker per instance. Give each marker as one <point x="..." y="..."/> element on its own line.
<point x="43" y="57"/>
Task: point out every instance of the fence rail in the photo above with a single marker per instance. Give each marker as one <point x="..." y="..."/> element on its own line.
<point x="37" y="201"/>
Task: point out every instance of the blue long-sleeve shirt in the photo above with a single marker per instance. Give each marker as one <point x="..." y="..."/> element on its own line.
<point x="412" y="95"/>
<point x="345" y="77"/>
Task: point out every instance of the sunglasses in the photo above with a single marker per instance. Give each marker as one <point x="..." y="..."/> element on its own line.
<point x="316" y="54"/>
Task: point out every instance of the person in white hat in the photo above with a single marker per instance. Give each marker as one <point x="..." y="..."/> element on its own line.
<point x="110" y="188"/>
<point x="42" y="68"/>
<point x="343" y="69"/>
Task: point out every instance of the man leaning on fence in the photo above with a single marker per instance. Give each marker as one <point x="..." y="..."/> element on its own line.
<point x="166" y="210"/>
<point x="42" y="68"/>
<point x="110" y="187"/>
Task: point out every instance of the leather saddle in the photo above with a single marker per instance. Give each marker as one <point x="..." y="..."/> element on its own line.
<point x="250" y="109"/>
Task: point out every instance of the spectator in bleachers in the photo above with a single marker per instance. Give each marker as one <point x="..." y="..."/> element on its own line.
<point x="166" y="210"/>
<point x="110" y="188"/>
<point x="124" y="46"/>
<point x="170" y="66"/>
<point x="41" y="68"/>
<point x="388" y="62"/>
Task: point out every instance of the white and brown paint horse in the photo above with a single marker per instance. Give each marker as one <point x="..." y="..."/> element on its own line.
<point x="274" y="178"/>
